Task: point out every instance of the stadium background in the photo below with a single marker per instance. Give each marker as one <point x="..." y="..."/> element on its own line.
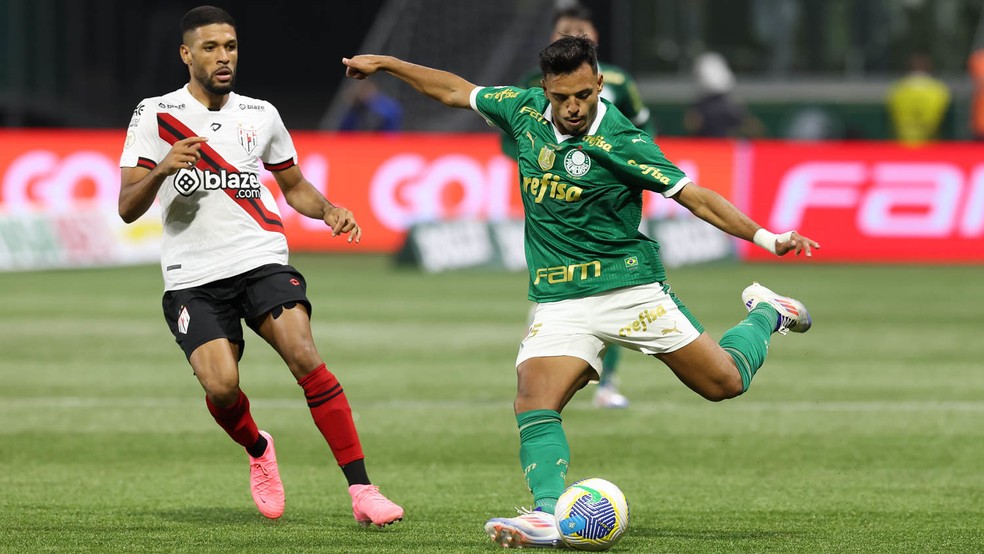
<point x="867" y="433"/>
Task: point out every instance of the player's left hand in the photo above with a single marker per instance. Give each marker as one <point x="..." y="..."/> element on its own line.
<point x="797" y="244"/>
<point x="342" y="221"/>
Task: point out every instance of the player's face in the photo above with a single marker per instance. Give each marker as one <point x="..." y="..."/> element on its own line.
<point x="211" y="53"/>
<point x="572" y="27"/>
<point x="573" y="99"/>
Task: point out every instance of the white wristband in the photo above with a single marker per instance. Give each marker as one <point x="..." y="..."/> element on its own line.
<point x="767" y="240"/>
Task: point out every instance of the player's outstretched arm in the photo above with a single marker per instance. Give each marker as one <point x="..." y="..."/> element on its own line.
<point x="447" y="88"/>
<point x="716" y="210"/>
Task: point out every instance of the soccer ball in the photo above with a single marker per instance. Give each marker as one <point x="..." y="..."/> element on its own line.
<point x="592" y="514"/>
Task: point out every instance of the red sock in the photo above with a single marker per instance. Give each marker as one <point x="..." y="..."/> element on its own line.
<point x="332" y="414"/>
<point x="236" y="420"/>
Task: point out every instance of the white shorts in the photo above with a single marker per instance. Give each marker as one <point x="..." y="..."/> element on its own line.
<point x="647" y="318"/>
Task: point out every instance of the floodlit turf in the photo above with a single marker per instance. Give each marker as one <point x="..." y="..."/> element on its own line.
<point x="864" y="435"/>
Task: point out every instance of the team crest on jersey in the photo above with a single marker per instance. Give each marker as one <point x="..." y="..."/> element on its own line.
<point x="577" y="163"/>
<point x="546" y="158"/>
<point x="247" y="138"/>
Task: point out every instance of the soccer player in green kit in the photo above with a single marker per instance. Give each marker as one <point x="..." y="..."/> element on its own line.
<point x="596" y="279"/>
<point x="620" y="89"/>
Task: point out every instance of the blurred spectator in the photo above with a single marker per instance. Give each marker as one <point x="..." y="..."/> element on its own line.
<point x="716" y="113"/>
<point x="976" y="69"/>
<point x="371" y="110"/>
<point x="917" y="103"/>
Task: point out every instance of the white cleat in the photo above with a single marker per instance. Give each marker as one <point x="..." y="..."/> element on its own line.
<point x="607" y="396"/>
<point x="530" y="529"/>
<point x="793" y="315"/>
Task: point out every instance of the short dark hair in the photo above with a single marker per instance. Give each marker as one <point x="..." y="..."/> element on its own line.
<point x="575" y="11"/>
<point x="565" y="55"/>
<point x="204" y="15"/>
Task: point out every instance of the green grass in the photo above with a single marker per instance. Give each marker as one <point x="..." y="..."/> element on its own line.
<point x="864" y="435"/>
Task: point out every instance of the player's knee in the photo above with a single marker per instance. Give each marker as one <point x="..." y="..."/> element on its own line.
<point x="303" y="359"/>
<point x="723" y="389"/>
<point x="223" y="394"/>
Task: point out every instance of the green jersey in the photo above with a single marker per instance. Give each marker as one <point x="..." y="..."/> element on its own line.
<point x="582" y="195"/>
<point x="620" y="89"/>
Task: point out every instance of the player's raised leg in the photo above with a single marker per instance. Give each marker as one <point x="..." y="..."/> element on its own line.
<point x="725" y="370"/>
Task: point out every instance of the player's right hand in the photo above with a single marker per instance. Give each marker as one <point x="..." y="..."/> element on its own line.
<point x="362" y="66"/>
<point x="183" y="155"/>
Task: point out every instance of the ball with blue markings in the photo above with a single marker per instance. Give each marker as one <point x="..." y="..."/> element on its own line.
<point x="592" y="514"/>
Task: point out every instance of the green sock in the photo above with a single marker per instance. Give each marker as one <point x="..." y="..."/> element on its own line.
<point x="609" y="363"/>
<point x="748" y="342"/>
<point x="544" y="455"/>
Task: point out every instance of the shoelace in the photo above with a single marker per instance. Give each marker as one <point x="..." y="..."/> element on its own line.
<point x="784" y="323"/>
<point x="524" y="511"/>
<point x="264" y="484"/>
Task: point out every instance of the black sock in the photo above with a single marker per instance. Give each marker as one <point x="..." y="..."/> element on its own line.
<point x="258" y="448"/>
<point x="355" y="473"/>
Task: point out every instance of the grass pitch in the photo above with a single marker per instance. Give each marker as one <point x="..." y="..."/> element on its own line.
<point x="864" y="435"/>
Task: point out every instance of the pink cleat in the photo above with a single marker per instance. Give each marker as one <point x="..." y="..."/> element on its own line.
<point x="369" y="506"/>
<point x="265" y="483"/>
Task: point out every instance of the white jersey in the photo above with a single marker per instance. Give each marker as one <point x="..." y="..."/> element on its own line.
<point x="218" y="219"/>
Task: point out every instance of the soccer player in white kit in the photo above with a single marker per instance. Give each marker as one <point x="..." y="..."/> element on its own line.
<point x="224" y="254"/>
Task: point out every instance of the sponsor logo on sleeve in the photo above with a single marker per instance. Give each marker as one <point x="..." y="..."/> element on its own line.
<point x="136" y="115"/>
<point x="500" y="95"/>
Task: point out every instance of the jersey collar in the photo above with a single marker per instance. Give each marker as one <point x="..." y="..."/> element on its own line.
<point x="230" y="104"/>
<point x="593" y="130"/>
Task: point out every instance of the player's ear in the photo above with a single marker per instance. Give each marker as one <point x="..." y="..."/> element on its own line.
<point x="601" y="81"/>
<point x="185" y="54"/>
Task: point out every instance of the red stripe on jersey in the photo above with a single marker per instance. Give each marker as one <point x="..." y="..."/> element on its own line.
<point x="172" y="130"/>
<point x="146" y="163"/>
<point x="279" y="166"/>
